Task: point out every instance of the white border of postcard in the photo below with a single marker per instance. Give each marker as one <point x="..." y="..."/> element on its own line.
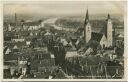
<point x="29" y="1"/>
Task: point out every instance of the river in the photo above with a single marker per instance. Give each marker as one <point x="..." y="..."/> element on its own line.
<point x="52" y="21"/>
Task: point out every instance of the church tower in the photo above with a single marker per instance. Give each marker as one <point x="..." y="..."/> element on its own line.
<point x="87" y="28"/>
<point x="109" y="32"/>
<point x="15" y="20"/>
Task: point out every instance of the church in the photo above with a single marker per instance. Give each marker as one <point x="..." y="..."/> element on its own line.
<point x="105" y="38"/>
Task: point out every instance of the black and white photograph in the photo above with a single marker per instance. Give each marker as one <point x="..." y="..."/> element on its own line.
<point x="63" y="40"/>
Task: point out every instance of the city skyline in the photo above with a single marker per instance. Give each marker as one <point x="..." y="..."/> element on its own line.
<point x="69" y="40"/>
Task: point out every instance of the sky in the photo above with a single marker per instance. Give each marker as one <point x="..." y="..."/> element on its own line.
<point x="64" y="7"/>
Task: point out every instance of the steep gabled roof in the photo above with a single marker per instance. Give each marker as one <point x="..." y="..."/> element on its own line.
<point x="96" y="36"/>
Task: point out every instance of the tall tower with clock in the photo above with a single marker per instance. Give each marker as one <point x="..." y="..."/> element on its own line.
<point x="87" y="28"/>
<point x="109" y="32"/>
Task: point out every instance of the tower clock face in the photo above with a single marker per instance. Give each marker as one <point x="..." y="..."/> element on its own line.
<point x="89" y="29"/>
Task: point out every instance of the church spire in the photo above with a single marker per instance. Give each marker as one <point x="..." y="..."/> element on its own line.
<point x="15" y="17"/>
<point x="87" y="28"/>
<point x="109" y="16"/>
<point x="15" y="20"/>
<point x="86" y="18"/>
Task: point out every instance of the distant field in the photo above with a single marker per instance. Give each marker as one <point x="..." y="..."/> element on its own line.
<point x="96" y="24"/>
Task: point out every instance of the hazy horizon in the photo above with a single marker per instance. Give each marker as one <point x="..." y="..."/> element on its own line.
<point x="48" y="8"/>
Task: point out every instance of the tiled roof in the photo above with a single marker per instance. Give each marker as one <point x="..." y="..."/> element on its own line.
<point x="96" y="36"/>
